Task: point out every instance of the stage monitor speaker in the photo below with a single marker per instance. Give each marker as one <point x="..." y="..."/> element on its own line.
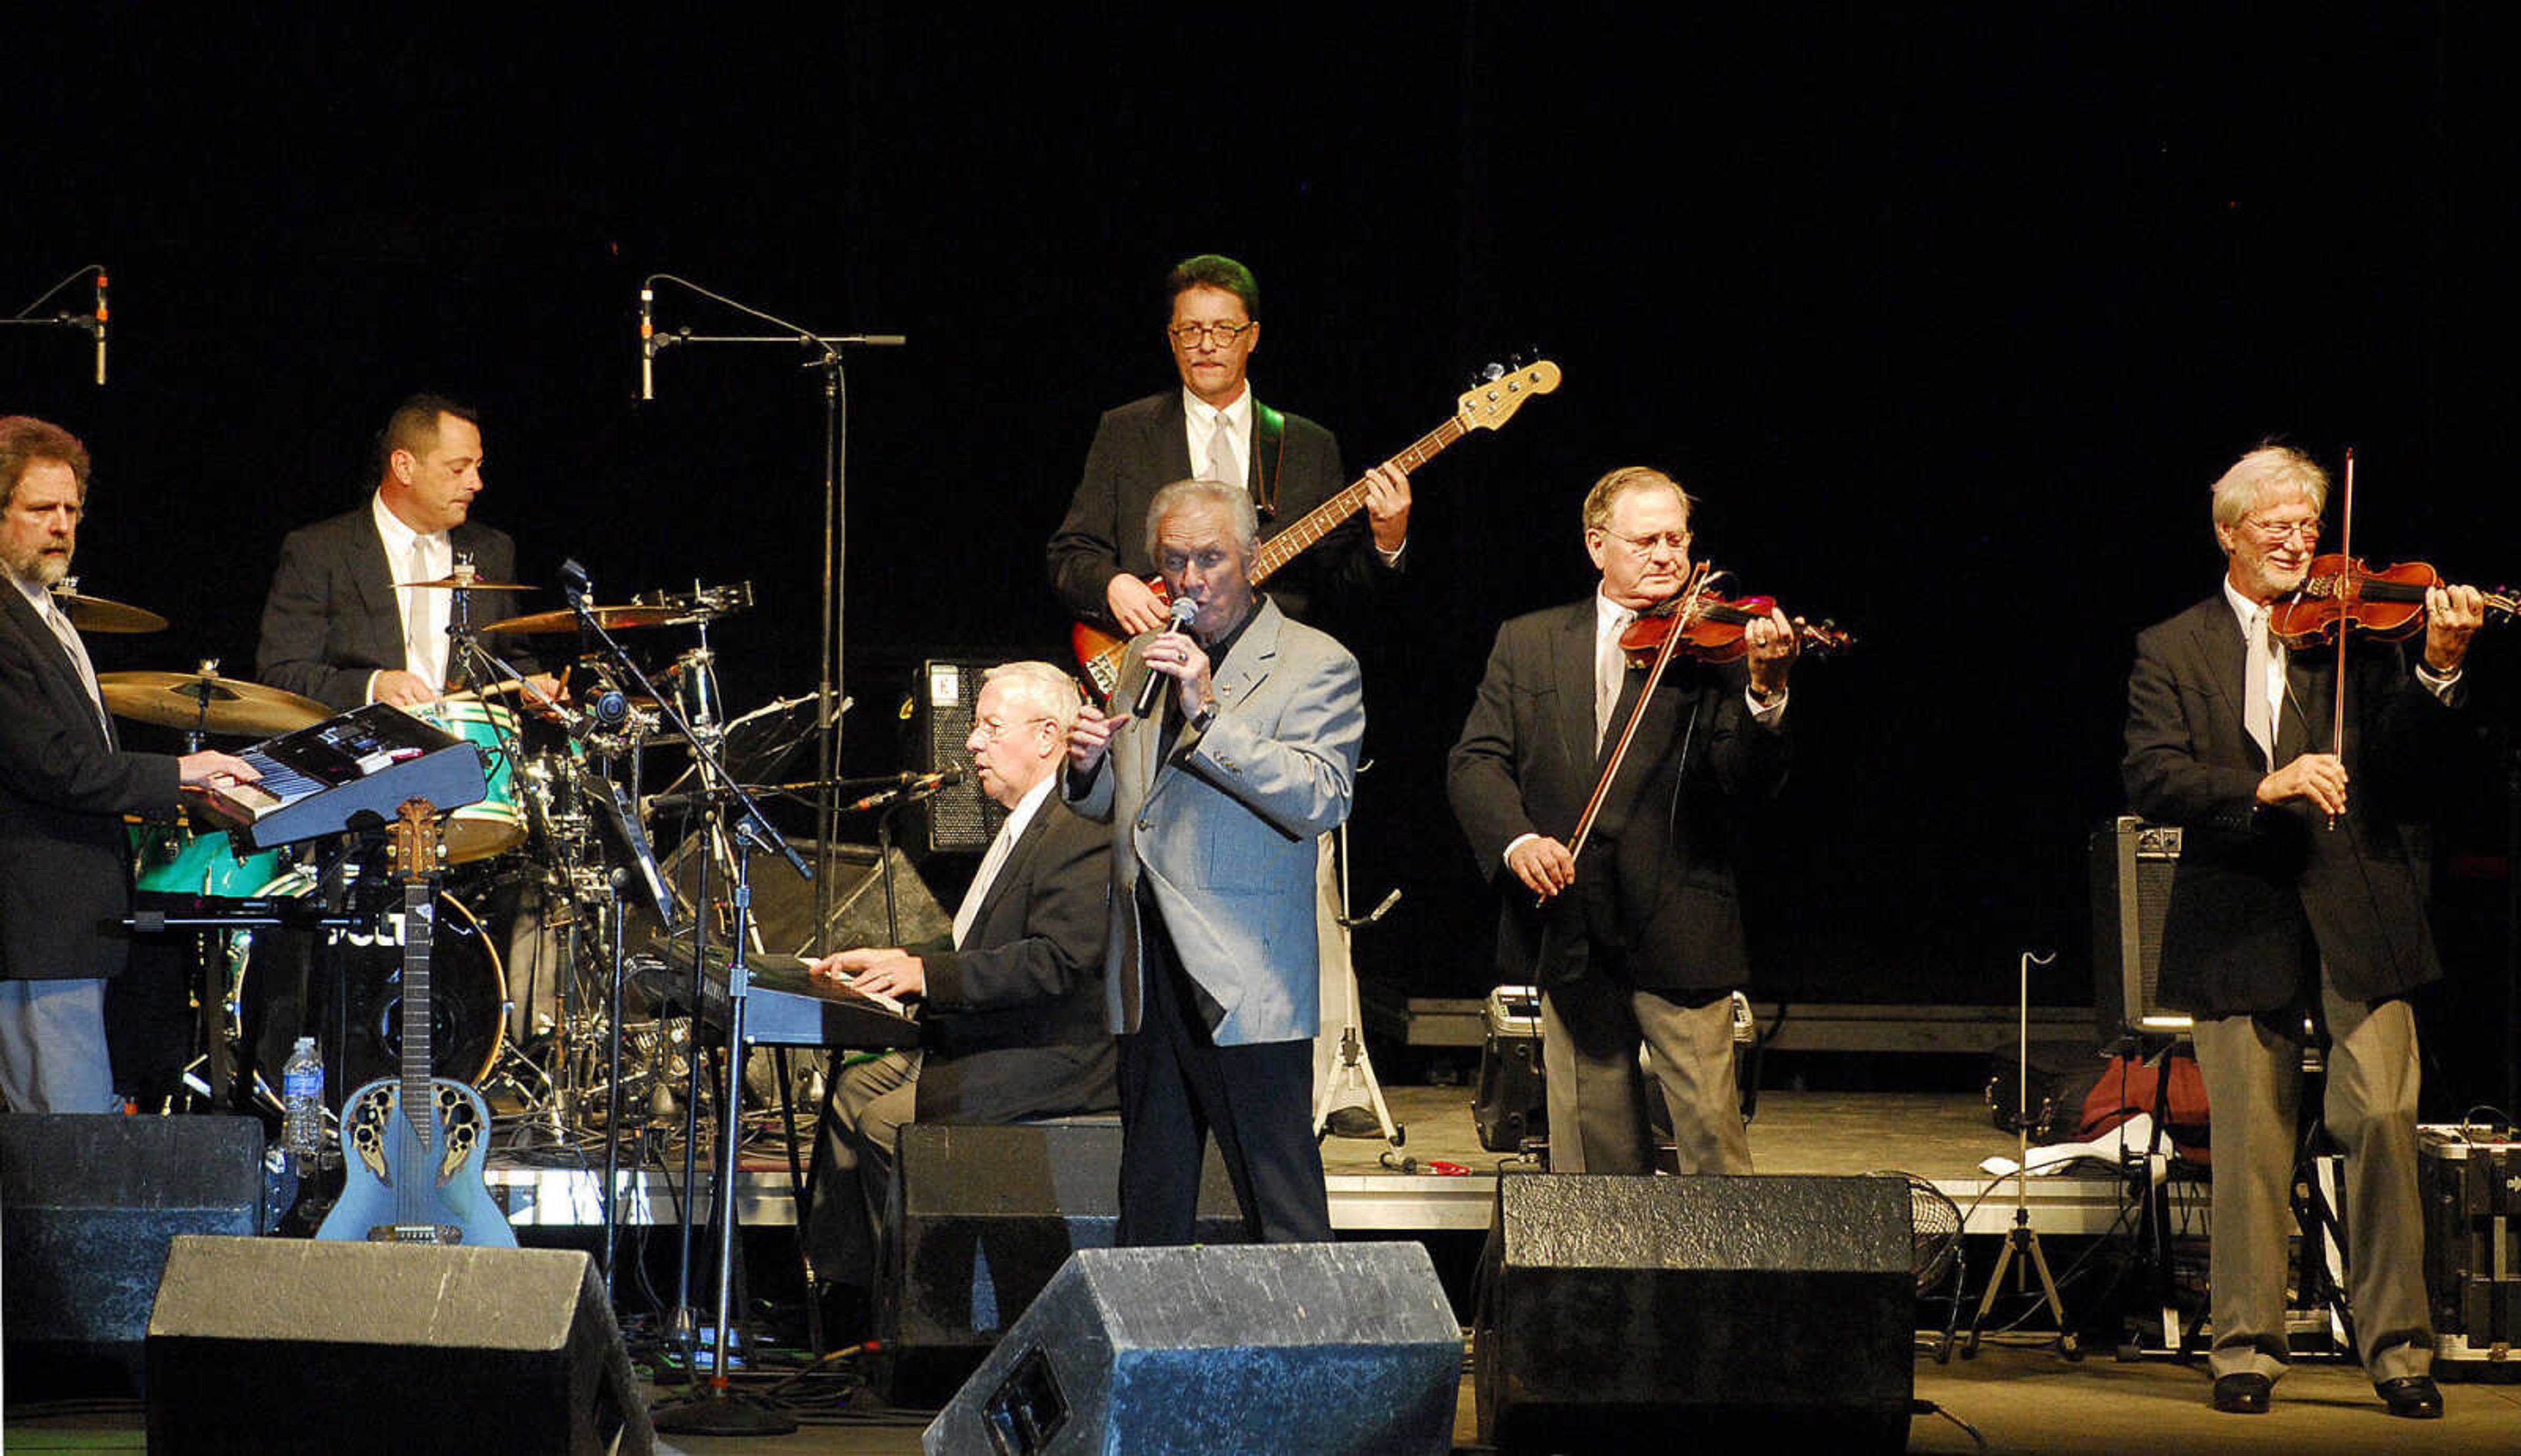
<point x="2132" y="863"/>
<point x="980" y="1218"/>
<point x="1616" y="1311"/>
<point x="87" y="1206"/>
<point x="270" y="1344"/>
<point x="943" y="696"/>
<point x="784" y="905"/>
<point x="1264" y="1348"/>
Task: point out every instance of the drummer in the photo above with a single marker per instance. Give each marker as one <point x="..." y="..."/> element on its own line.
<point x="338" y="625"/>
<point x="64" y="786"/>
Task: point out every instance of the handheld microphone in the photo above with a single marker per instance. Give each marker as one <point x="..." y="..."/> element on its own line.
<point x="647" y="345"/>
<point x="1153" y="688"/>
<point x="100" y="327"/>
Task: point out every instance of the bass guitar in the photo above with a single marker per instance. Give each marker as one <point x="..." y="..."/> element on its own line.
<point x="1484" y="406"/>
<point x="416" y="1143"/>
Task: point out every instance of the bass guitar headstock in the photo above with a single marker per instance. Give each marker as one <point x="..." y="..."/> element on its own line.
<point x="1494" y="399"/>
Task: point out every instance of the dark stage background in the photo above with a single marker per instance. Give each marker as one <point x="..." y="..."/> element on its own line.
<point x="1949" y="319"/>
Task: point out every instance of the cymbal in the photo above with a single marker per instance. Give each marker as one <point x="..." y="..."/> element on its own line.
<point x="610" y="618"/>
<point x="97" y="615"/>
<point x="453" y="583"/>
<point x="205" y="703"/>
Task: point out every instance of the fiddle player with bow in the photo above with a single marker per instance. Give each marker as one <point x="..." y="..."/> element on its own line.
<point x="1634" y="933"/>
<point x="2297" y="908"/>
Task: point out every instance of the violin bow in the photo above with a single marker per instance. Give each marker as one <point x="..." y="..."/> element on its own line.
<point x="2346" y="548"/>
<point x="1693" y="595"/>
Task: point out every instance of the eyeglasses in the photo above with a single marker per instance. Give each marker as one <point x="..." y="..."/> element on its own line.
<point x="1190" y="334"/>
<point x="992" y="730"/>
<point x="1676" y="541"/>
<point x="2274" y="531"/>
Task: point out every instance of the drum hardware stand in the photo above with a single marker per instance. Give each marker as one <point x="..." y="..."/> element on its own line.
<point x="2023" y="1240"/>
<point x="551" y="1111"/>
<point x="1354" y="1071"/>
<point x="826" y="352"/>
<point x="720" y="1411"/>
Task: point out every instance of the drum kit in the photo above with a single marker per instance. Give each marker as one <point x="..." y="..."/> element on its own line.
<point x="549" y="864"/>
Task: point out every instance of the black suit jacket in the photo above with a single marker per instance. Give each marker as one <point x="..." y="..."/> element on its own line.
<point x="1143" y="446"/>
<point x="330" y="620"/>
<point x="1014" y="1022"/>
<point x="1654" y="900"/>
<point x="64" y="858"/>
<point x="2261" y="895"/>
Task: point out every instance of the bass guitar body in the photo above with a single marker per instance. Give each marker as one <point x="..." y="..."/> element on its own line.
<point x="404" y="1186"/>
<point x="1099" y="653"/>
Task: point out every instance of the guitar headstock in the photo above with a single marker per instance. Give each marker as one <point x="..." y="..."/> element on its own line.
<point x="414" y="845"/>
<point x="1493" y="402"/>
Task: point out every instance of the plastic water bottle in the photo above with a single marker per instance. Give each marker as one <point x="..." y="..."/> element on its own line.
<point x="302" y="1124"/>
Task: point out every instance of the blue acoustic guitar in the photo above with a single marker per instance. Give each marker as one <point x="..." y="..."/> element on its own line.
<point x="416" y="1143"/>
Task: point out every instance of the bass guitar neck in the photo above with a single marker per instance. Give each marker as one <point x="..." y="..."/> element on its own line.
<point x="1486" y="406"/>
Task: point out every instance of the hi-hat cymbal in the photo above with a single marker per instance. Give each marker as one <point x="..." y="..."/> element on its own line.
<point x="205" y="702"/>
<point x="453" y="583"/>
<point x="97" y="615"/>
<point x="610" y="618"/>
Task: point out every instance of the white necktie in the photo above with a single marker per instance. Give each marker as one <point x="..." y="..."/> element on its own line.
<point x="424" y="641"/>
<point x="77" y="649"/>
<point x="1220" y="452"/>
<point x="990" y="863"/>
<point x="2257" y="715"/>
<point x="1610" y="675"/>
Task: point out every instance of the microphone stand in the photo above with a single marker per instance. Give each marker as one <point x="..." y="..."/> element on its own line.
<point x="720" y="1411"/>
<point x="91" y="324"/>
<point x="826" y="350"/>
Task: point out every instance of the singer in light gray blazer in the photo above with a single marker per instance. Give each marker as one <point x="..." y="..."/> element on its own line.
<point x="1215" y="798"/>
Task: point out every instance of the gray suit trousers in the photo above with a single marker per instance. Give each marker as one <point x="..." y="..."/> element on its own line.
<point x="1589" y="1030"/>
<point x="2253" y="1086"/>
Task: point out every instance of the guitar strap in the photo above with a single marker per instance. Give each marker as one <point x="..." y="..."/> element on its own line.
<point x="1268" y="454"/>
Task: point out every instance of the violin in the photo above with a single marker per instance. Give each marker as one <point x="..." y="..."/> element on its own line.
<point x="2342" y="593"/>
<point x="1713" y="629"/>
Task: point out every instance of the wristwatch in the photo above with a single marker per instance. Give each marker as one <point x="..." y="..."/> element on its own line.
<point x="1207" y="714"/>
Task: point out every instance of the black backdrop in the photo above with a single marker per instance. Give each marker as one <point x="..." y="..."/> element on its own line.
<point x="1950" y="319"/>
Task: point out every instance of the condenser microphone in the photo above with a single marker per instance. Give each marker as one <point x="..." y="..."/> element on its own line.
<point x="647" y="344"/>
<point x="1184" y="609"/>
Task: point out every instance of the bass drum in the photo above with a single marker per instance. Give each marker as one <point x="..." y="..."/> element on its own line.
<point x="467" y="1002"/>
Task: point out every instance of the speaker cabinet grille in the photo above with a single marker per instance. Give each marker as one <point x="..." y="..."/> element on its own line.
<point x="2132" y="865"/>
<point x="961" y="819"/>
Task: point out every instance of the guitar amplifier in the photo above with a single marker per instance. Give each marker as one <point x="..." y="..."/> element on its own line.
<point x="935" y="720"/>
<point x="2469" y="1181"/>
<point x="2132" y="864"/>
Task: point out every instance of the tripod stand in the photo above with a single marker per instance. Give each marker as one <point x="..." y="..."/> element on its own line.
<point x="2022" y="1239"/>
<point x="1352" y="1073"/>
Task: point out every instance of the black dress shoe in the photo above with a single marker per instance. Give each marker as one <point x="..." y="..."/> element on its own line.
<point x="2248" y="1392"/>
<point x="2415" y="1396"/>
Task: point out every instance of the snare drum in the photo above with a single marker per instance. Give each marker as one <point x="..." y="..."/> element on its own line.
<point x="495" y="825"/>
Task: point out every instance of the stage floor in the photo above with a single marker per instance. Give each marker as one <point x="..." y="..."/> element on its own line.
<point x="1941" y="1137"/>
